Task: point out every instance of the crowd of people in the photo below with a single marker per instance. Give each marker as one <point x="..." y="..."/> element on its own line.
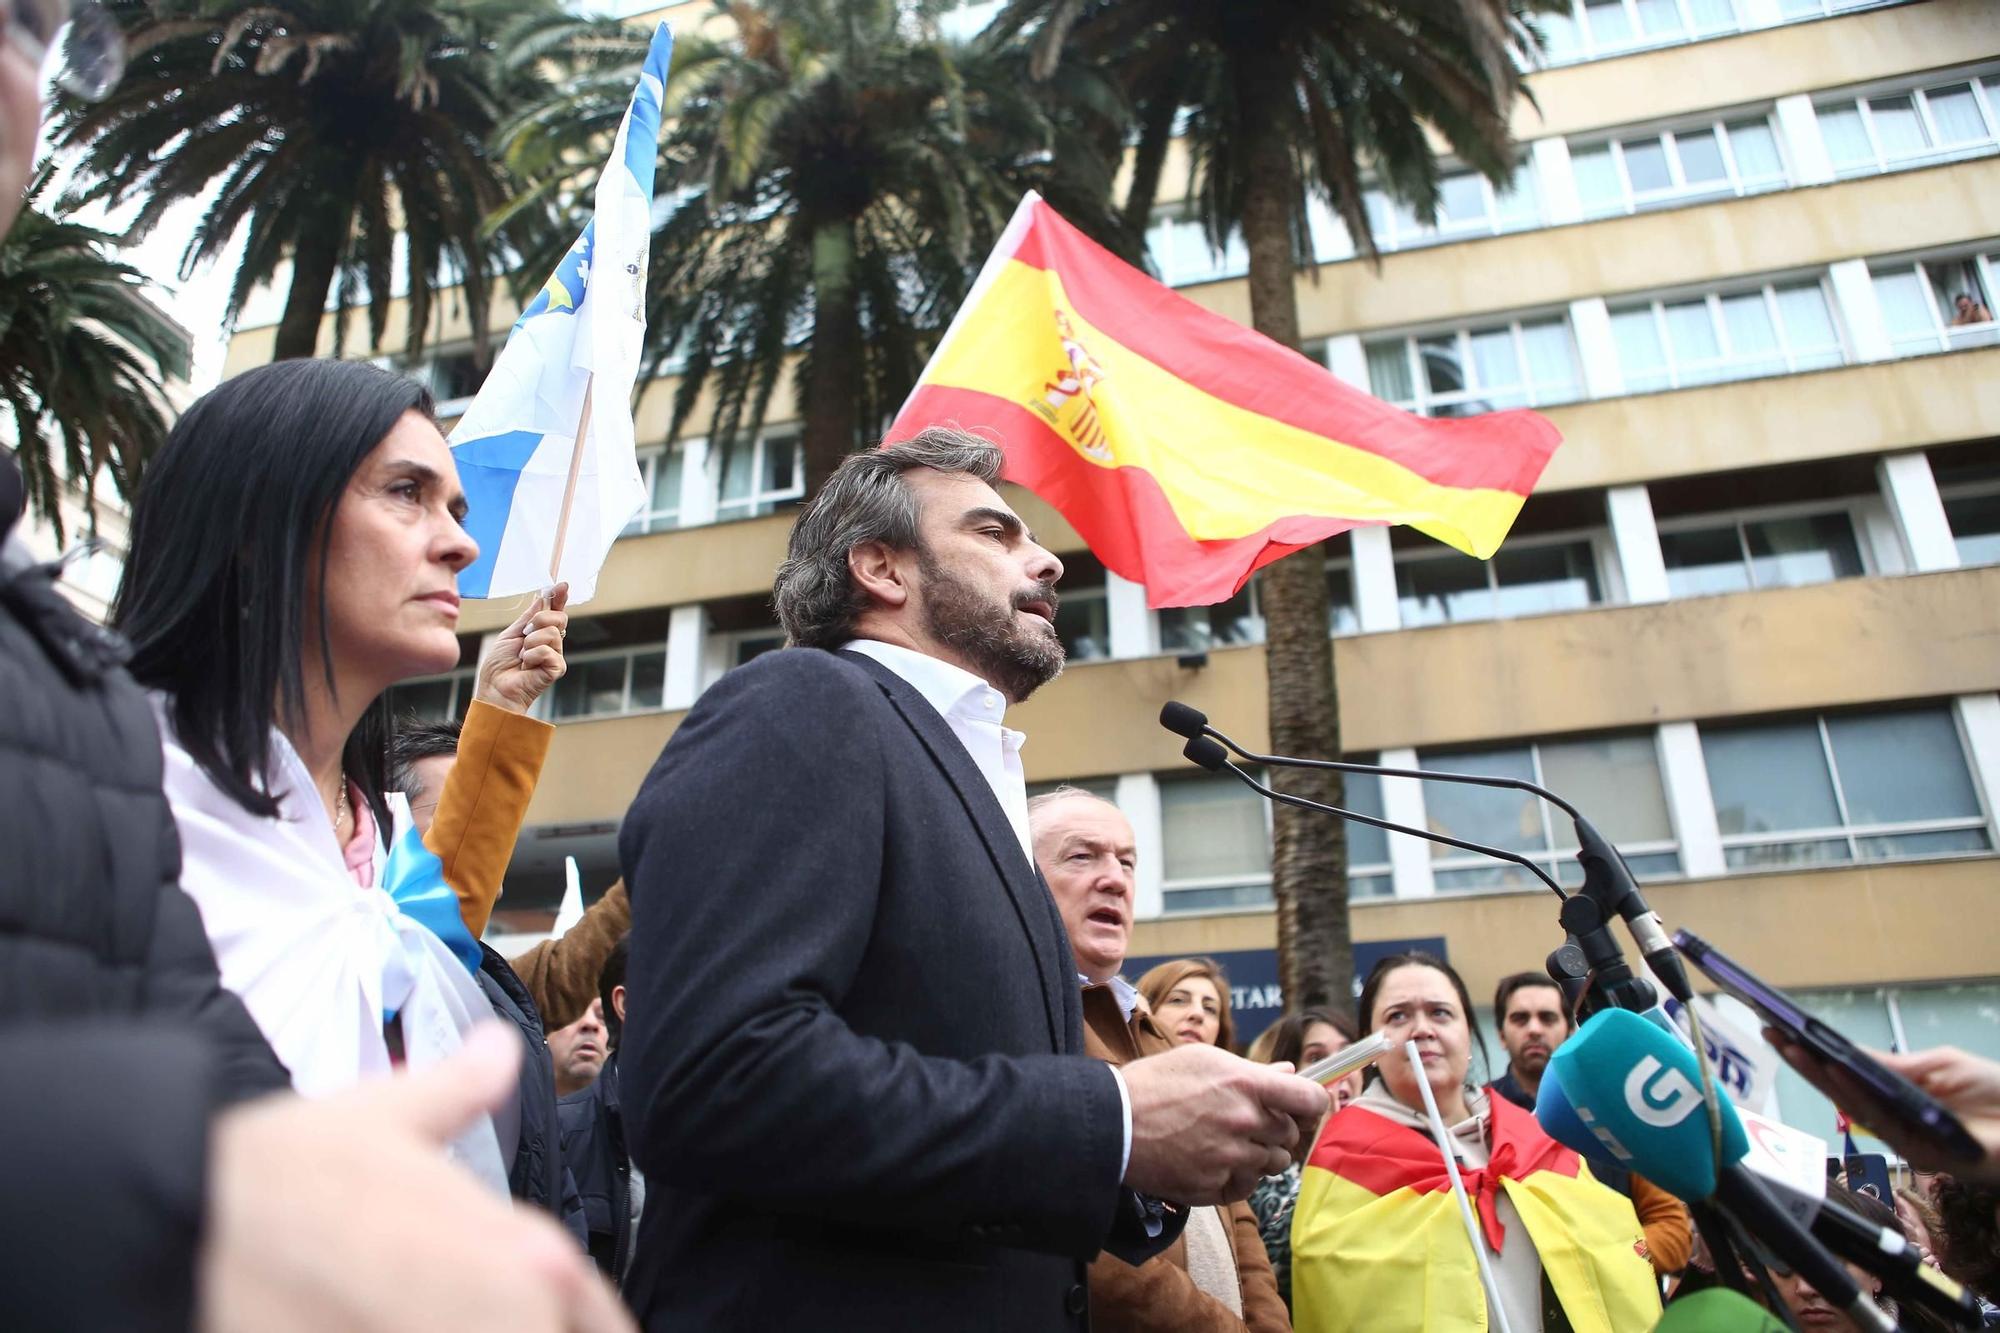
<point x="849" y="1045"/>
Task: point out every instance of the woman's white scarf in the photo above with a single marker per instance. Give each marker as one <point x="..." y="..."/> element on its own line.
<point x="317" y="959"/>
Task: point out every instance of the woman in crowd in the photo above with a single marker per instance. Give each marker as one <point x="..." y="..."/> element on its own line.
<point x="1377" y="1238"/>
<point x="1298" y="1040"/>
<point x="295" y="552"/>
<point x="1810" y="1308"/>
<point x="1189" y="998"/>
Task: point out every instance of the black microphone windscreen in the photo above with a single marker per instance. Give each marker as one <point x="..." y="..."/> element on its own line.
<point x="1203" y="751"/>
<point x="1182" y="720"/>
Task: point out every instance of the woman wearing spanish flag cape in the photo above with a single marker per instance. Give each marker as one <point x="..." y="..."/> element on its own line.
<point x="1378" y="1242"/>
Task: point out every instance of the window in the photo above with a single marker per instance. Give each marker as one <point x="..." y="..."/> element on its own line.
<point x="1939" y="305"/>
<point x="1939" y="123"/>
<point x="1083" y="623"/>
<point x="1812" y="9"/>
<point x="1436" y="586"/>
<point x="1720" y="159"/>
<point x="1463" y="372"/>
<point x="1592" y="28"/>
<point x="1907" y="1018"/>
<point x="761" y="476"/>
<point x="1707" y="556"/>
<point x="609" y="684"/>
<point x="1468" y="205"/>
<point x="1845" y="787"/>
<point x="1619" y="776"/>
<point x="1974" y="517"/>
<point x="1216" y="843"/>
<point x="452" y="376"/>
<point x="433" y="698"/>
<point x="1196" y="629"/>
<point x="1676" y="342"/>
<point x="1178" y="246"/>
<point x="660" y="469"/>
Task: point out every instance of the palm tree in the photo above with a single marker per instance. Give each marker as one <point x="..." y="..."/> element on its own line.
<point x="332" y="133"/>
<point x="834" y="172"/>
<point x="1280" y="100"/>
<point x="83" y="354"/>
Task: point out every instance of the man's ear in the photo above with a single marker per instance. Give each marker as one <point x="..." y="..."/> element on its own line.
<point x="878" y="572"/>
<point x="618" y="1002"/>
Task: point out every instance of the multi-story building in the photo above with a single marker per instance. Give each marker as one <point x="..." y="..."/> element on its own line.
<point x="1750" y="621"/>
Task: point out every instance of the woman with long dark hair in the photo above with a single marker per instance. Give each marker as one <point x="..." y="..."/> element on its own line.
<point x="295" y="551"/>
<point x="1377" y="1240"/>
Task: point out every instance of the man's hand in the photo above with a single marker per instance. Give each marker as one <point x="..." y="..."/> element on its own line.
<point x="1208" y="1125"/>
<point x="527" y="658"/>
<point x="1967" y="1085"/>
<point x="343" y="1213"/>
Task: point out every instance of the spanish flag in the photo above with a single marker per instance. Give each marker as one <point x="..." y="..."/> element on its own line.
<point x="1378" y="1245"/>
<point x="1187" y="450"/>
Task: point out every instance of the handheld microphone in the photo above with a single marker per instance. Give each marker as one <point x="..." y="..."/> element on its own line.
<point x="1635" y="1089"/>
<point x="1718" y="1311"/>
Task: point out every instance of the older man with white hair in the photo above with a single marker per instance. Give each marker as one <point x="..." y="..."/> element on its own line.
<point x="1217" y="1276"/>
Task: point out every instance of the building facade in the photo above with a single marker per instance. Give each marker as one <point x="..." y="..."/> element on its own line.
<point x="1750" y="621"/>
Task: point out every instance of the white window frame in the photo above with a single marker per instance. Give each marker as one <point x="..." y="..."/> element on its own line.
<point x="464" y="680"/>
<point x="1856" y="509"/>
<point x="1829" y="8"/>
<point x="761" y="501"/>
<point x="1946" y="337"/>
<point x="650" y="519"/>
<point x="1255" y="612"/>
<point x="1679" y="192"/>
<point x="1681" y="376"/>
<point x="1985" y="81"/>
<point x="630" y="655"/>
<point x="1097" y="593"/>
<point x="1427" y="403"/>
<point x="1603" y="557"/>
<point x="720" y="648"/>
<point x="1560" y="852"/>
<point x="1967" y="490"/>
<point x="1588" y="48"/>
<point x="1403" y="231"/>
<point x="1169" y="887"/>
<point x="1853" y="833"/>
<point x="1232" y="262"/>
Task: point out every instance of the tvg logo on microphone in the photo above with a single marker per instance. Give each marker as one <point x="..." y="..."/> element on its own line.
<point x="1659" y="1096"/>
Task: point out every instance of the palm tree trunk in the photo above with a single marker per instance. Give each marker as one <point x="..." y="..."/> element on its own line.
<point x="314" y="260"/>
<point x="1308" y="849"/>
<point x="833" y="372"/>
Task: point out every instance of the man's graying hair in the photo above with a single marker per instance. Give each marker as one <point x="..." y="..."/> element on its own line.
<point x="865" y="500"/>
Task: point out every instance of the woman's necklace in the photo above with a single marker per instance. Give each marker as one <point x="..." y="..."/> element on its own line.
<point x="342" y="813"/>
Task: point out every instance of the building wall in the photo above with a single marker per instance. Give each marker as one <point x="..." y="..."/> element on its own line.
<point x="1874" y="435"/>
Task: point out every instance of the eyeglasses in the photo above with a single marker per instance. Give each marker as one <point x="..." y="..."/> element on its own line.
<point x="87" y="44"/>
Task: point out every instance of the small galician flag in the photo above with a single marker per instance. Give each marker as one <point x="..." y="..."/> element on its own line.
<point x="567" y="371"/>
<point x="1187" y="450"/>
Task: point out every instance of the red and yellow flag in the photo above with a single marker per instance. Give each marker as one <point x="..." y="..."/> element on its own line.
<point x="1187" y="450"/>
<point x="1379" y="1246"/>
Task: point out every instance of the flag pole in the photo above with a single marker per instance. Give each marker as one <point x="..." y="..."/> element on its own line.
<point x="569" y="489"/>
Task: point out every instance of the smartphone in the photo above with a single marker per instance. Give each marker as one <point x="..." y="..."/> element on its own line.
<point x="1912" y="1109"/>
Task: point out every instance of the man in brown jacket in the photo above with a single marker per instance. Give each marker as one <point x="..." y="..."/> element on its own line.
<point x="1216" y="1277"/>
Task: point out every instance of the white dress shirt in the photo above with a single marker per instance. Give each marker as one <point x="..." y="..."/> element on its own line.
<point x="973" y="710"/>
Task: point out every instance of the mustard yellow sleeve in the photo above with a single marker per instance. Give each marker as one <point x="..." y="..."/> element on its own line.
<point x="1669" y="1233"/>
<point x="484" y="803"/>
<point x="561" y="974"/>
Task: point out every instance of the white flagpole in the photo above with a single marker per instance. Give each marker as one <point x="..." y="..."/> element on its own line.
<point x="1494" y="1308"/>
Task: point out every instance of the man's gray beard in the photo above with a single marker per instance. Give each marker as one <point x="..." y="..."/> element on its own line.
<point x="1013" y="659"/>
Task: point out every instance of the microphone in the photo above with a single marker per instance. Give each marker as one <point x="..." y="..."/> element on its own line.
<point x="1718" y="1311"/>
<point x="1209" y="755"/>
<point x="1634" y="1089"/>
<point x="1606" y="876"/>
